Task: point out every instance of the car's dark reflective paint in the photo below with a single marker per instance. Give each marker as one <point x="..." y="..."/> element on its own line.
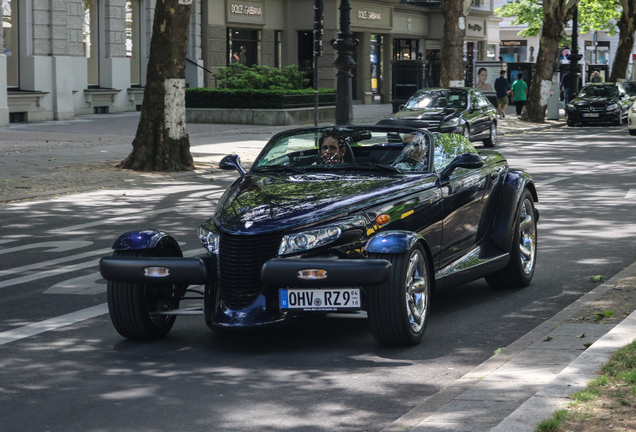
<point x="463" y="111"/>
<point x="630" y="88"/>
<point x="599" y="103"/>
<point x="405" y="212"/>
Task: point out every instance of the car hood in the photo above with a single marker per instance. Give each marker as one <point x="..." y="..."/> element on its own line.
<point x="427" y="113"/>
<point x="263" y="203"/>
<point x="594" y="100"/>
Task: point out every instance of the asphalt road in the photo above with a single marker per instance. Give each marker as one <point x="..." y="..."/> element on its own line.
<point x="68" y="370"/>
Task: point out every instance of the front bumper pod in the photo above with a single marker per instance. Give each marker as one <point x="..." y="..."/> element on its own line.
<point x="140" y="270"/>
<point x="284" y="272"/>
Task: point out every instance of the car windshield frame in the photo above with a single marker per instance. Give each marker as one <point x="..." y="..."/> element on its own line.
<point x="599" y="90"/>
<point x="376" y="149"/>
<point x="453" y="99"/>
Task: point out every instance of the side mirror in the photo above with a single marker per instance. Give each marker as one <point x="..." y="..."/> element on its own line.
<point x="232" y="162"/>
<point x="466" y="160"/>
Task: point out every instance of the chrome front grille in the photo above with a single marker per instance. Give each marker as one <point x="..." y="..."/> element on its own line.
<point x="240" y="260"/>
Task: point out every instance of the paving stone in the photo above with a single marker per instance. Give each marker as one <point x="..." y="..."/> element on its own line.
<point x="459" y="411"/>
<point x="534" y="374"/>
<point x="530" y="414"/>
<point x="542" y="356"/>
<point x="501" y="391"/>
<point x="453" y="427"/>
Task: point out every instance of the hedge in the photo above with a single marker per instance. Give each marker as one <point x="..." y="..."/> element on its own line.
<point x="257" y="99"/>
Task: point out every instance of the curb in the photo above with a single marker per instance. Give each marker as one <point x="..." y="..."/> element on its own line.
<point x="553" y="395"/>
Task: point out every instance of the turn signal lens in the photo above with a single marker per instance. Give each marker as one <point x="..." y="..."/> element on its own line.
<point x="312" y="274"/>
<point x="157" y="272"/>
<point x="383" y="219"/>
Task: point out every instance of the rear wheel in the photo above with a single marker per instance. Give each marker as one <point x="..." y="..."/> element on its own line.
<point x="398" y="309"/>
<point x="523" y="252"/>
<point x="491" y="141"/>
<point x="135" y="309"/>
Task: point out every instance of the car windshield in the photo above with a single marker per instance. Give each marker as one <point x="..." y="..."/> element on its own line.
<point x="438" y="99"/>
<point x="598" y="90"/>
<point x="630" y="88"/>
<point x="346" y="149"/>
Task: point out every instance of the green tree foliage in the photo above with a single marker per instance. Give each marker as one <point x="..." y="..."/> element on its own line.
<point x="593" y="15"/>
<point x="239" y="77"/>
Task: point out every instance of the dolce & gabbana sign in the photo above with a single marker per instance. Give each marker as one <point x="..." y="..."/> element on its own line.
<point x="363" y="15"/>
<point x="245" y="11"/>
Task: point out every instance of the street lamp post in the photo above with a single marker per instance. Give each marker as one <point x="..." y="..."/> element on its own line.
<point x="574" y="56"/>
<point x="345" y="45"/>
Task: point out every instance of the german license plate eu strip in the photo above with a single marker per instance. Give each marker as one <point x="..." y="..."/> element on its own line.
<point x="332" y="299"/>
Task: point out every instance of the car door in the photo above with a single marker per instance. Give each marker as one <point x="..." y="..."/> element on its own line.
<point x="478" y="119"/>
<point x="464" y="194"/>
<point x="623" y="99"/>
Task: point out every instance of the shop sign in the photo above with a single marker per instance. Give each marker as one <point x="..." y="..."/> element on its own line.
<point x="513" y="43"/>
<point x="362" y="15"/>
<point x="475" y="28"/>
<point x="245" y="11"/>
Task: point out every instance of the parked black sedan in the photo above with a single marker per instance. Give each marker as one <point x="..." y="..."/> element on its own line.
<point x="599" y="103"/>
<point x="464" y="111"/>
<point x="336" y="219"/>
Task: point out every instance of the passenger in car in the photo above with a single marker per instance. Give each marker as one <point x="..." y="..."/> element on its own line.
<point x="332" y="148"/>
<point x="413" y="157"/>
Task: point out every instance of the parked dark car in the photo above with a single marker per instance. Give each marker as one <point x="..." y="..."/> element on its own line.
<point x="630" y="88"/>
<point x="599" y="103"/>
<point x="374" y="224"/>
<point x="465" y="111"/>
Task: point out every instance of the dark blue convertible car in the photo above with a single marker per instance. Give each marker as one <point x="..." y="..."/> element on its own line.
<point x="336" y="219"/>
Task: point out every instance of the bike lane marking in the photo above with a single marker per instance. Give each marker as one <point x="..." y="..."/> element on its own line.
<point x="52" y="324"/>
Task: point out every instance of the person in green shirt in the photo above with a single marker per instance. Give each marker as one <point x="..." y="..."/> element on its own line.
<point x="519" y="93"/>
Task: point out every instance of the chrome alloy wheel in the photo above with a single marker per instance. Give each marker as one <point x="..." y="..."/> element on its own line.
<point x="527" y="237"/>
<point x="417" y="291"/>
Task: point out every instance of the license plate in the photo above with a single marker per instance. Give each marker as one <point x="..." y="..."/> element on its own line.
<point x="320" y="299"/>
<point x="590" y="115"/>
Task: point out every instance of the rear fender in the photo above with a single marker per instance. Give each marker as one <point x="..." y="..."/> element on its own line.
<point x="145" y="239"/>
<point x="504" y="222"/>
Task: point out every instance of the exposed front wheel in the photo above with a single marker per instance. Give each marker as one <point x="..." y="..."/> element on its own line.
<point x="523" y="252"/>
<point x="136" y="309"/>
<point x="398" y="309"/>
<point x="491" y="141"/>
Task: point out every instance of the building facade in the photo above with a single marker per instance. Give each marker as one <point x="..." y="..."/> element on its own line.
<point x="72" y="57"/>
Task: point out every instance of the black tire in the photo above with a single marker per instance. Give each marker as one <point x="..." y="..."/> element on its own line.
<point x="619" y="119"/>
<point x="632" y="131"/>
<point x="491" y="141"/>
<point x="131" y="305"/>
<point x="523" y="252"/>
<point x="398" y="309"/>
<point x="571" y="123"/>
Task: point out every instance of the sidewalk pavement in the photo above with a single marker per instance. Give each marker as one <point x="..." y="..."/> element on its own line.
<point x="511" y="392"/>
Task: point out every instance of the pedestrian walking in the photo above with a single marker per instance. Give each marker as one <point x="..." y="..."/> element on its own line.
<point x="502" y="87"/>
<point x="565" y="88"/>
<point x="519" y="93"/>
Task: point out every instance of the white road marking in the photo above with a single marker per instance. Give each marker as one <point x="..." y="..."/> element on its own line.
<point x="48" y="273"/>
<point x="41" y="265"/>
<point x="631" y="195"/>
<point x="52" y="324"/>
<point x="52" y="246"/>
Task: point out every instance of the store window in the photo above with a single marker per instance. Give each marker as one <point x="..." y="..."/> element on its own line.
<point x="278" y="49"/>
<point x="306" y="52"/>
<point x="10" y="31"/>
<point x="597" y="53"/>
<point x="405" y="49"/>
<point x="133" y="41"/>
<point x="91" y="41"/>
<point x="376" y="62"/>
<point x="244" y="46"/>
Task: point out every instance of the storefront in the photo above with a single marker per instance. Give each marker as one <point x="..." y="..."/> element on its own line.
<point x="513" y="50"/>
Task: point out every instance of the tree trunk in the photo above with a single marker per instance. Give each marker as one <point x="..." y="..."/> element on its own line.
<point x="452" y="42"/>
<point x="554" y="12"/>
<point x="627" y="28"/>
<point x="162" y="142"/>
